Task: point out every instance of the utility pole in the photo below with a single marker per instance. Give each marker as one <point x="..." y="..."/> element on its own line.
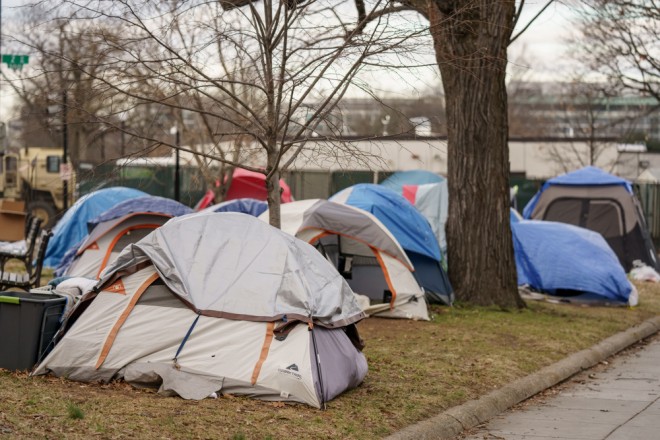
<point x="65" y="174"/>
<point x="177" y="166"/>
<point x="177" y="169"/>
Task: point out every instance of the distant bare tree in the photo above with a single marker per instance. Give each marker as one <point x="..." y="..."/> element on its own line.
<point x="527" y="101"/>
<point x="593" y="115"/>
<point x="621" y="40"/>
<point x="62" y="63"/>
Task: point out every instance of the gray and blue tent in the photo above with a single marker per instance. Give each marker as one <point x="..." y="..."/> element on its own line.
<point x="411" y="230"/>
<point x="569" y="263"/>
<point x="596" y="200"/>
<point x="72" y="227"/>
<point x="116" y="228"/>
<point x="400" y="179"/>
<point x="249" y="206"/>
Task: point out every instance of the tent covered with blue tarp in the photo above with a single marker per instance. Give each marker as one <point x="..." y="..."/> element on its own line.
<point x="596" y="200"/>
<point x="570" y="263"/>
<point x="249" y="206"/>
<point x="72" y="227"/>
<point x="410" y="228"/>
<point x="514" y="216"/>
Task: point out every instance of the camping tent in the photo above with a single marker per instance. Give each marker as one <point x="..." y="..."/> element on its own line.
<point x="410" y="229"/>
<point x="250" y="184"/>
<point x="432" y="201"/>
<point x="570" y="263"/>
<point x="429" y="193"/>
<point x="291" y="215"/>
<point x="253" y="207"/>
<point x="601" y="202"/>
<point x="399" y="179"/>
<point x="247" y="309"/>
<point x="72" y="227"/>
<point x="363" y="251"/>
<point x="125" y="223"/>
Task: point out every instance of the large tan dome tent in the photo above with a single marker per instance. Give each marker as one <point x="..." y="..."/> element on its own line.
<point x="217" y="302"/>
<point x="601" y="202"/>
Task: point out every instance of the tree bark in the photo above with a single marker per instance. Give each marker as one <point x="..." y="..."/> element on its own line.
<point x="470" y="39"/>
<point x="273" y="188"/>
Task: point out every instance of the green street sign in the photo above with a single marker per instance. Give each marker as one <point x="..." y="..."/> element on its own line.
<point x="15" y="61"/>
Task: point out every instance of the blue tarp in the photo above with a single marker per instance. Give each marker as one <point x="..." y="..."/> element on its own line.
<point x="414" y="177"/>
<point x="411" y="230"/>
<point x="556" y="257"/>
<point x="72" y="227"/>
<point x="249" y="206"/>
<point x="587" y="176"/>
<point x="156" y="204"/>
<point x="408" y="225"/>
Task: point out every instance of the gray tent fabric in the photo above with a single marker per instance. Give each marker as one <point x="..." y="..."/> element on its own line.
<point x="335" y="217"/>
<point x="234" y="266"/>
<point x="342" y="369"/>
<point x="247" y="309"/>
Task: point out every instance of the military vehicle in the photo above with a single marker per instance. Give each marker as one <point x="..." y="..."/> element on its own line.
<point x="32" y="175"/>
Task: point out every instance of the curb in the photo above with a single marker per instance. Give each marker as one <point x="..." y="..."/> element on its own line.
<point x="455" y="420"/>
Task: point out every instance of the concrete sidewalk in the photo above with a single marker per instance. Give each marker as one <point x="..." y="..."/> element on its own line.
<point x="456" y="420"/>
<point x="619" y="402"/>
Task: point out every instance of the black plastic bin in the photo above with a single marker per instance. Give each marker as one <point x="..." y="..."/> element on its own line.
<point x="28" y="322"/>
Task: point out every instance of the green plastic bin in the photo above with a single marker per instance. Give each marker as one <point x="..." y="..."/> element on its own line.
<point x="28" y="322"/>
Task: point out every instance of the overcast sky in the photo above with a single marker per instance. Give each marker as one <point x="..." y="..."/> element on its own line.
<point x="539" y="54"/>
<point x="544" y="44"/>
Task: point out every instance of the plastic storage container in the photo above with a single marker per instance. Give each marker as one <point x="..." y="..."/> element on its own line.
<point x="28" y="322"/>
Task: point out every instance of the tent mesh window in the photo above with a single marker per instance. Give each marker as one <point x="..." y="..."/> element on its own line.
<point x="365" y="261"/>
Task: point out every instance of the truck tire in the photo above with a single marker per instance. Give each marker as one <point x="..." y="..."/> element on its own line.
<point x="45" y="211"/>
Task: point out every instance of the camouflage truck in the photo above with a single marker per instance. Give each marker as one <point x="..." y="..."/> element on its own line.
<point x="32" y="175"/>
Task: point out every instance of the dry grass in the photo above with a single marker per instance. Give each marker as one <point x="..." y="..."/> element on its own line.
<point x="417" y="369"/>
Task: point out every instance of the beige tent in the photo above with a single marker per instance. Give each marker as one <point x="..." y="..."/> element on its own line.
<point x="107" y="240"/>
<point x="363" y="251"/>
<point x="125" y="223"/>
<point x="217" y="302"/>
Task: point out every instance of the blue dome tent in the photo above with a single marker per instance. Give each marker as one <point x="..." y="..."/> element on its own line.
<point x="410" y="229"/>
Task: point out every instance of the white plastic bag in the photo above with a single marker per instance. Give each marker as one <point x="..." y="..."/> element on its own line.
<point x="641" y="272"/>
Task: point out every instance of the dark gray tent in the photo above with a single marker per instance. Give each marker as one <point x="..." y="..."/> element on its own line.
<point x="601" y="202"/>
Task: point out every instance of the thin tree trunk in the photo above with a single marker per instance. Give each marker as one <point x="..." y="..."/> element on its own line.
<point x="471" y="39"/>
<point x="274" y="192"/>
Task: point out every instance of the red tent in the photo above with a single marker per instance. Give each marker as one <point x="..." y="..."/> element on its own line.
<point x="246" y="184"/>
<point x="249" y="184"/>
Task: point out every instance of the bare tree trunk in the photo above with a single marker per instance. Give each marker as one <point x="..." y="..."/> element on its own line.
<point x="274" y="191"/>
<point x="471" y="39"/>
